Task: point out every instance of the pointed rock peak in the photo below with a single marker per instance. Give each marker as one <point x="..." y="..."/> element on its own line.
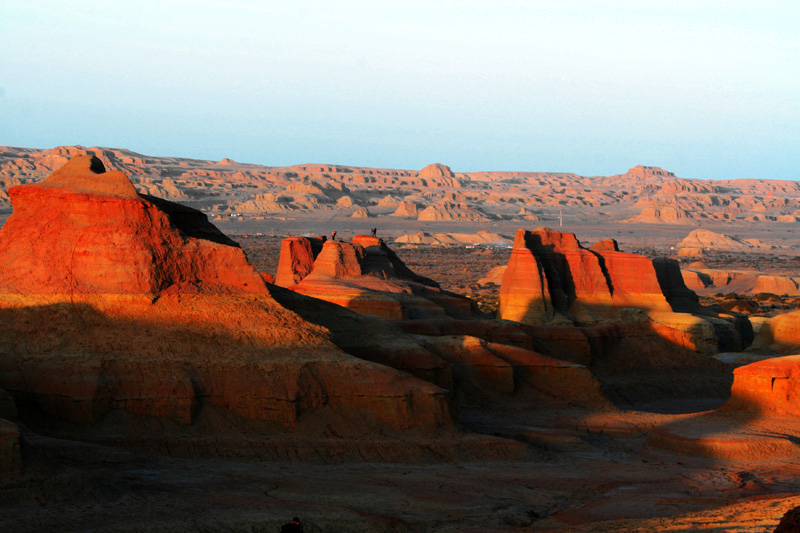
<point x="87" y="174"/>
<point x="437" y="170"/>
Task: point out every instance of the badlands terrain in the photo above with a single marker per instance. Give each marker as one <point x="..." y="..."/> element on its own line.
<point x="184" y="347"/>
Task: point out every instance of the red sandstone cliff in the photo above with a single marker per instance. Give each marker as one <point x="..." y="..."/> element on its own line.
<point x="85" y="230"/>
<point x="550" y="274"/>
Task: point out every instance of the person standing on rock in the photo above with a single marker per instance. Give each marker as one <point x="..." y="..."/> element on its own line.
<point x="333" y="235"/>
<point x="295" y="526"/>
<point x="374" y="231"/>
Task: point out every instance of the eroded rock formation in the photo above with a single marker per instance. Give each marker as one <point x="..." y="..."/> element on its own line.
<point x="85" y="230"/>
<point x="364" y="275"/>
<point x="551" y="275"/>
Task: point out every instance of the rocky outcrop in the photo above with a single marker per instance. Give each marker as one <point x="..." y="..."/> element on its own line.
<point x="662" y="214"/>
<point x="550" y="274"/>
<point x="770" y="386"/>
<point x="670" y="279"/>
<point x="85" y="230"/>
<point x="297" y="259"/>
<point x="366" y="276"/>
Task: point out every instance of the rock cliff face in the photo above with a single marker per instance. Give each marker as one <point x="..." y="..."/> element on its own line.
<point x="85" y="230"/>
<point x="770" y="386"/>
<point x="297" y="259"/>
<point x="366" y="276"/>
<point x="551" y="275"/>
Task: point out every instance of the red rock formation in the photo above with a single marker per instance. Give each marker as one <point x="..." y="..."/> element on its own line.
<point x="632" y="277"/>
<point x="524" y="291"/>
<point x="297" y="259"/>
<point x="182" y="355"/>
<point x="551" y="274"/>
<point x="366" y="276"/>
<point x="84" y="230"/>
<point x="679" y="296"/>
<point x="770" y="386"/>
<point x="565" y="274"/>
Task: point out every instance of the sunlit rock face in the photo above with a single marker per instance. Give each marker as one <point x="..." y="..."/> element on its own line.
<point x="366" y="276"/>
<point x="770" y="386"/>
<point x="551" y="275"/>
<point x="85" y="230"/>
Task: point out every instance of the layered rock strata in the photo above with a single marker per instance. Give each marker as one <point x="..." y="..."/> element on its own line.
<point x="366" y="276"/>
<point x="550" y="275"/>
<point x="84" y="230"/>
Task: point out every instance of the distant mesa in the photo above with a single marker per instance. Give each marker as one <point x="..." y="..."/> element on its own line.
<point x="436" y="170"/>
<point x="451" y="211"/>
<point x="662" y="214"/>
<point x="644" y="172"/>
<point x="85" y="230"/>
<point x="483" y="237"/>
<point x="642" y="195"/>
<point x="703" y="239"/>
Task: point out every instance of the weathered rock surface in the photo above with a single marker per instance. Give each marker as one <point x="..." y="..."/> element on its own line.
<point x="366" y="276"/>
<point x="297" y="259"/>
<point x="703" y="239"/>
<point x="770" y="386"/>
<point x="436" y="170"/>
<point x="483" y="237"/>
<point x="84" y="230"/>
<point x="181" y="355"/>
<point x="551" y="274"/>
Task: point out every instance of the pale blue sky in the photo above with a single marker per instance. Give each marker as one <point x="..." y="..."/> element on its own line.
<point x="706" y="89"/>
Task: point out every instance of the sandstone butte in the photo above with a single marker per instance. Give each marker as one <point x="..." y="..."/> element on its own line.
<point x="551" y="275"/>
<point x="366" y="276"/>
<point x="85" y="230"/>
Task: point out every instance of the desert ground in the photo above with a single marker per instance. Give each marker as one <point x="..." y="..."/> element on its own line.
<point x="461" y="419"/>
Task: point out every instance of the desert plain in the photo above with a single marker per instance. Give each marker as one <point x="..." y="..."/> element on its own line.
<point x="186" y="347"/>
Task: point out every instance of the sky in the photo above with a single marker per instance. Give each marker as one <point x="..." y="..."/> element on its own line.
<point x="704" y="89"/>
